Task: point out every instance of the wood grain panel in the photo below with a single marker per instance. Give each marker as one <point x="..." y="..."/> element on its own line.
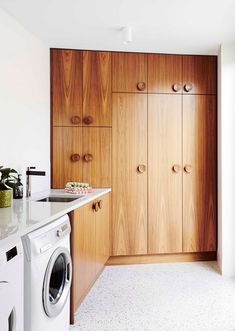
<point x="162" y="258"/>
<point x="200" y="185"/>
<point x="97" y="142"/>
<point x="129" y="139"/>
<point x="66" y="86"/>
<point x="97" y="87"/>
<point x="66" y="141"/>
<point x="201" y="72"/>
<point x="129" y="69"/>
<point x="102" y="233"/>
<point x="83" y="250"/>
<point x="164" y="185"/>
<point x="164" y="73"/>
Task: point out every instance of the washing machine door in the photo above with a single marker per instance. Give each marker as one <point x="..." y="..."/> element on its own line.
<point x="57" y="282"/>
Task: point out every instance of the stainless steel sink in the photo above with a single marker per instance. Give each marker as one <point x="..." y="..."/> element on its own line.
<point x="59" y="199"/>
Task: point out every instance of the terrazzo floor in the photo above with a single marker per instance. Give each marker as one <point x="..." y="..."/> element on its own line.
<point x="159" y="297"/>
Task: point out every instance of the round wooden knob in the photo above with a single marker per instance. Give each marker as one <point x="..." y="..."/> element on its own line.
<point x="141" y="168"/>
<point x="75" y="120"/>
<point x="100" y="204"/>
<point x="88" y="157"/>
<point x="188" y="87"/>
<point x="95" y="206"/>
<point x="188" y="168"/>
<point x="88" y="120"/>
<point x="140" y="86"/>
<point x="176" y="87"/>
<point x="176" y="168"/>
<point x="75" y="157"/>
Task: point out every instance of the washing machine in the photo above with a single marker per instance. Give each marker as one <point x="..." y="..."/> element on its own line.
<point x="48" y="274"/>
<point x="11" y="286"/>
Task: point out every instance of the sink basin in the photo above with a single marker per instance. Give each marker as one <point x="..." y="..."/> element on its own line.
<point x="58" y="199"/>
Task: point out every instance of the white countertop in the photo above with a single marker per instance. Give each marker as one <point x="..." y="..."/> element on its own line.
<point x="26" y="215"/>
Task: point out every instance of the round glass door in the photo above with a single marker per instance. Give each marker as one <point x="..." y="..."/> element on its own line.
<point x="57" y="282"/>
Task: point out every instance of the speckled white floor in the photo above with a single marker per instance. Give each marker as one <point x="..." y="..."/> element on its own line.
<point x="159" y="297"/>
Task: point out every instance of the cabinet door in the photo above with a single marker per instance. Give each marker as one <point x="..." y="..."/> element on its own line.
<point x="200" y="74"/>
<point x="66" y="156"/>
<point x="102" y="233"/>
<point x="66" y="83"/>
<point x="199" y="179"/>
<point x="97" y="156"/>
<point x="129" y="139"/>
<point x="83" y="252"/>
<point x="164" y="174"/>
<point x="164" y="73"/>
<point x="97" y="88"/>
<point x="129" y="72"/>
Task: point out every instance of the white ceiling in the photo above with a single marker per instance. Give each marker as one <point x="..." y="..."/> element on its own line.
<point x="166" y="26"/>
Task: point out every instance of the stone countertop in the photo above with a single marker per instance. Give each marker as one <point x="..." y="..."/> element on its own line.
<point x="27" y="214"/>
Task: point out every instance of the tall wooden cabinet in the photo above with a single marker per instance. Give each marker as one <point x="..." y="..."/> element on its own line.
<point x="180" y="167"/>
<point x="81" y="117"/>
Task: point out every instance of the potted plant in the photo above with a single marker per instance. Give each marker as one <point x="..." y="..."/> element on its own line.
<point x="7" y="180"/>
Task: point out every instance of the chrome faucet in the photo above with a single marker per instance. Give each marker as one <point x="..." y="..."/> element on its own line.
<point x="30" y="173"/>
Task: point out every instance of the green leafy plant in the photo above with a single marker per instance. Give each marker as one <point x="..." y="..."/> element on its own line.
<point x="8" y="178"/>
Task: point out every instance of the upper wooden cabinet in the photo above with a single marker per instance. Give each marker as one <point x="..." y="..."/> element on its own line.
<point x="164" y="73"/>
<point x="97" y="88"/>
<point x="81" y="88"/>
<point x="199" y="74"/>
<point x="66" y="87"/>
<point x="129" y="72"/>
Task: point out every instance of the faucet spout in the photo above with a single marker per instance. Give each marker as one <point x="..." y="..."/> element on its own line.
<point x="30" y="173"/>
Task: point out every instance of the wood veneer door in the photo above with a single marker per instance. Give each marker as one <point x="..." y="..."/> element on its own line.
<point x="199" y="74"/>
<point x="83" y="250"/>
<point x="102" y="232"/>
<point x="66" y="151"/>
<point x="129" y="72"/>
<point x="66" y="87"/>
<point x="97" y="167"/>
<point x="129" y="195"/>
<point x="97" y="87"/>
<point x="164" y="73"/>
<point x="164" y="174"/>
<point x="200" y="173"/>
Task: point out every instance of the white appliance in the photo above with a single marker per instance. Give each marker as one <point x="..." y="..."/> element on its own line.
<point x="48" y="273"/>
<point x="11" y="287"/>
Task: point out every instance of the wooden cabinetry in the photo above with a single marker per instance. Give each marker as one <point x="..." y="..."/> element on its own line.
<point x="129" y="171"/>
<point x="129" y="72"/>
<point x="164" y="73"/>
<point x="66" y="87"/>
<point x="81" y="113"/>
<point x="81" y="154"/>
<point x="90" y="247"/>
<point x="164" y="174"/>
<point x="200" y="173"/>
<point x="97" y="88"/>
<point x="199" y="74"/>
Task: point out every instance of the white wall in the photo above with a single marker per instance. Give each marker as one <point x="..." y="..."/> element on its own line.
<point x="226" y="167"/>
<point x="24" y="101"/>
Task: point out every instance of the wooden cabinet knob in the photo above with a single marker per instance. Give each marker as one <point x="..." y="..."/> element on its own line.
<point x="100" y="204"/>
<point x="95" y="206"/>
<point x="188" y="87"/>
<point x="140" y="86"/>
<point x="75" y="157"/>
<point x="88" y="157"/>
<point x="75" y="120"/>
<point x="176" y="168"/>
<point x="141" y="168"/>
<point x="176" y="87"/>
<point x="188" y="168"/>
<point x="88" y="120"/>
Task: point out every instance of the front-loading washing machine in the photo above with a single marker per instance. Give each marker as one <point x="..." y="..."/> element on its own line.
<point x="11" y="286"/>
<point x="48" y="273"/>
